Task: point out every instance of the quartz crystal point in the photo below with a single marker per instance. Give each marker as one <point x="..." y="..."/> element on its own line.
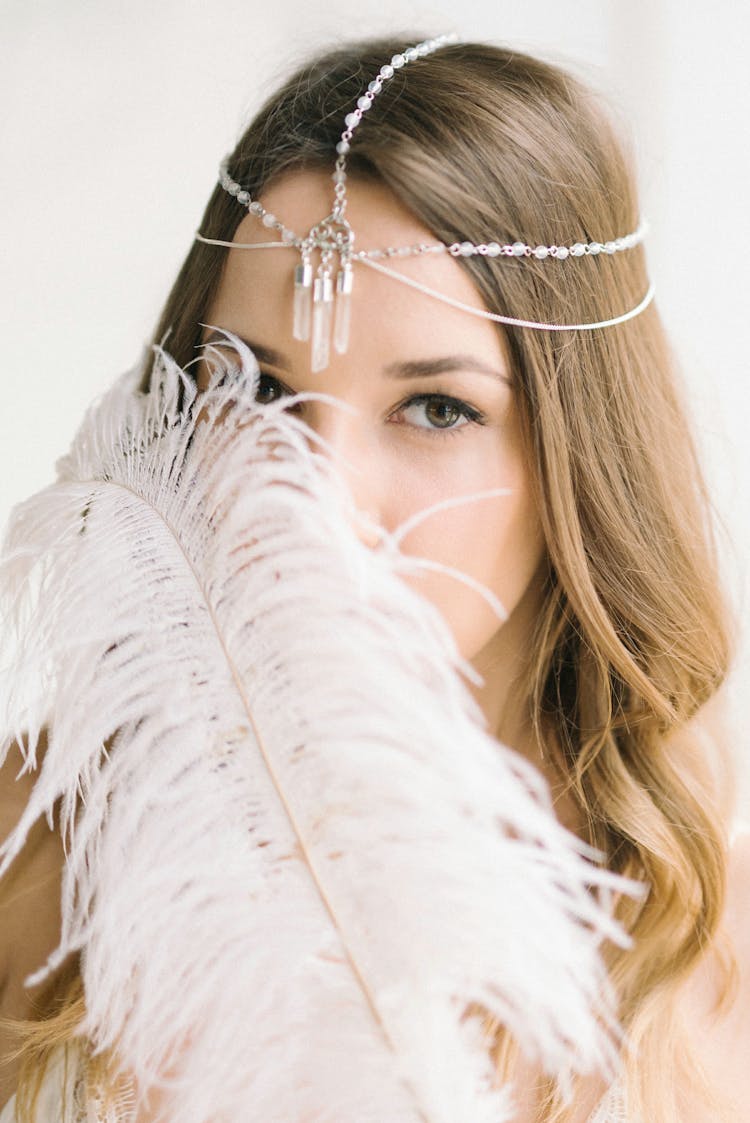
<point x="303" y="286"/>
<point x="343" y="314"/>
<point x="321" y="326"/>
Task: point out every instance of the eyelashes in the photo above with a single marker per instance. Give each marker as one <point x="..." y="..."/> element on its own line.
<point x="451" y="414"/>
<point x="267" y="382"/>
<point x="446" y="411"/>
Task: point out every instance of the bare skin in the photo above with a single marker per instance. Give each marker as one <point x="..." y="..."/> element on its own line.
<point x="29" y="910"/>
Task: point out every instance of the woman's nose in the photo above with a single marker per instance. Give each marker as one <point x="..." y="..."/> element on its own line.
<point x="353" y="454"/>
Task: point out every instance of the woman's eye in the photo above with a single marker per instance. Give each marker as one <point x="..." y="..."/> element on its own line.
<point x="269" y="389"/>
<point x="439" y="412"/>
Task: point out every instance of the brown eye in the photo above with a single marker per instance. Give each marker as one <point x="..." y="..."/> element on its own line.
<point x="439" y="414"/>
<point x="442" y="412"/>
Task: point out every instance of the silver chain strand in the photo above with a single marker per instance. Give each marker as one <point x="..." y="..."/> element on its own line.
<point x="364" y="102"/>
<point x="456" y="249"/>
<point x="333" y="235"/>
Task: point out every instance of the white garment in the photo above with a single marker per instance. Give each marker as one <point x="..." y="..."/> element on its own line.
<point x="56" y="1102"/>
<point x="61" y="1097"/>
<point x="611" y="1109"/>
<point x="61" y="1102"/>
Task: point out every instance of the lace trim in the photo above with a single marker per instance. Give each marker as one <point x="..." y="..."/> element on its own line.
<point x="62" y="1096"/>
<point x="612" y="1108"/>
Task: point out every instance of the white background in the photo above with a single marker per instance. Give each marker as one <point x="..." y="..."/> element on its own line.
<point x="114" y="117"/>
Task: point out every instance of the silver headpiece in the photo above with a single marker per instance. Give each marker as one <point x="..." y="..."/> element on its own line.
<point x="318" y="302"/>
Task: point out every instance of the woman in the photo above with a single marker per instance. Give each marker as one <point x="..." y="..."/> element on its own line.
<point x="596" y="538"/>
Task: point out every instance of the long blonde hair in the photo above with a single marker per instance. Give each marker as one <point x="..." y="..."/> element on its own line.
<point x="632" y="640"/>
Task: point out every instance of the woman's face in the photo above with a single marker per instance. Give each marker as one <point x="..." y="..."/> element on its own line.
<point x="432" y="389"/>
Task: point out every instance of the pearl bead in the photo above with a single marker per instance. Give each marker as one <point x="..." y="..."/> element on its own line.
<point x="255" y="208"/>
<point x="578" y="250"/>
<point x="595" y="248"/>
<point x="466" y="249"/>
<point x="364" y="102"/>
<point x="519" y="249"/>
<point x="386" y="71"/>
<point x="493" y="249"/>
<point x="375" y="86"/>
<point x="243" y="196"/>
<point x="342" y="147"/>
<point x="609" y="247"/>
<point x="541" y="252"/>
<point x="269" y="219"/>
<point x="353" y="119"/>
<point x="562" y="252"/>
<point x="397" y="61"/>
<point x="410" y="54"/>
<point x="234" y="188"/>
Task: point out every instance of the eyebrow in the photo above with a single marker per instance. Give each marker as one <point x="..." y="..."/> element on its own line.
<point x="414" y="368"/>
<point x="262" y="354"/>
<point x="422" y="368"/>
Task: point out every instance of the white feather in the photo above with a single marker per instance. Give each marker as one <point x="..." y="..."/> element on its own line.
<point x="302" y="855"/>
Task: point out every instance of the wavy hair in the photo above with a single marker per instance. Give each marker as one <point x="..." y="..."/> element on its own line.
<point x="632" y="640"/>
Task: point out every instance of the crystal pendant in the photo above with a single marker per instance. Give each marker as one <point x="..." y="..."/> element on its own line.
<point x="303" y="284"/>
<point x="343" y="315"/>
<point x="321" y="325"/>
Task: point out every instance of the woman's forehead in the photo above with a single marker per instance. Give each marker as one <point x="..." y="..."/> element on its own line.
<point x="257" y="286"/>
<point x="303" y="197"/>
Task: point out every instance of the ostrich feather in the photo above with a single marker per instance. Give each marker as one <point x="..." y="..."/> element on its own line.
<point x="294" y="852"/>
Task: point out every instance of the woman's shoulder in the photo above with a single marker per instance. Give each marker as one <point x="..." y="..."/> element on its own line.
<point x="737" y="922"/>
<point x="719" y="1027"/>
<point x="738" y="896"/>
<point x="29" y="905"/>
<point x="30" y="887"/>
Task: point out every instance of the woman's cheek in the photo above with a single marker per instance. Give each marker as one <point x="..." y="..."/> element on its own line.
<point x="495" y="543"/>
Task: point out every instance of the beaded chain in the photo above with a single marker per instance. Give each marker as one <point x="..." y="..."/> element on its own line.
<point x="457" y="249"/>
<point x="322" y="303"/>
